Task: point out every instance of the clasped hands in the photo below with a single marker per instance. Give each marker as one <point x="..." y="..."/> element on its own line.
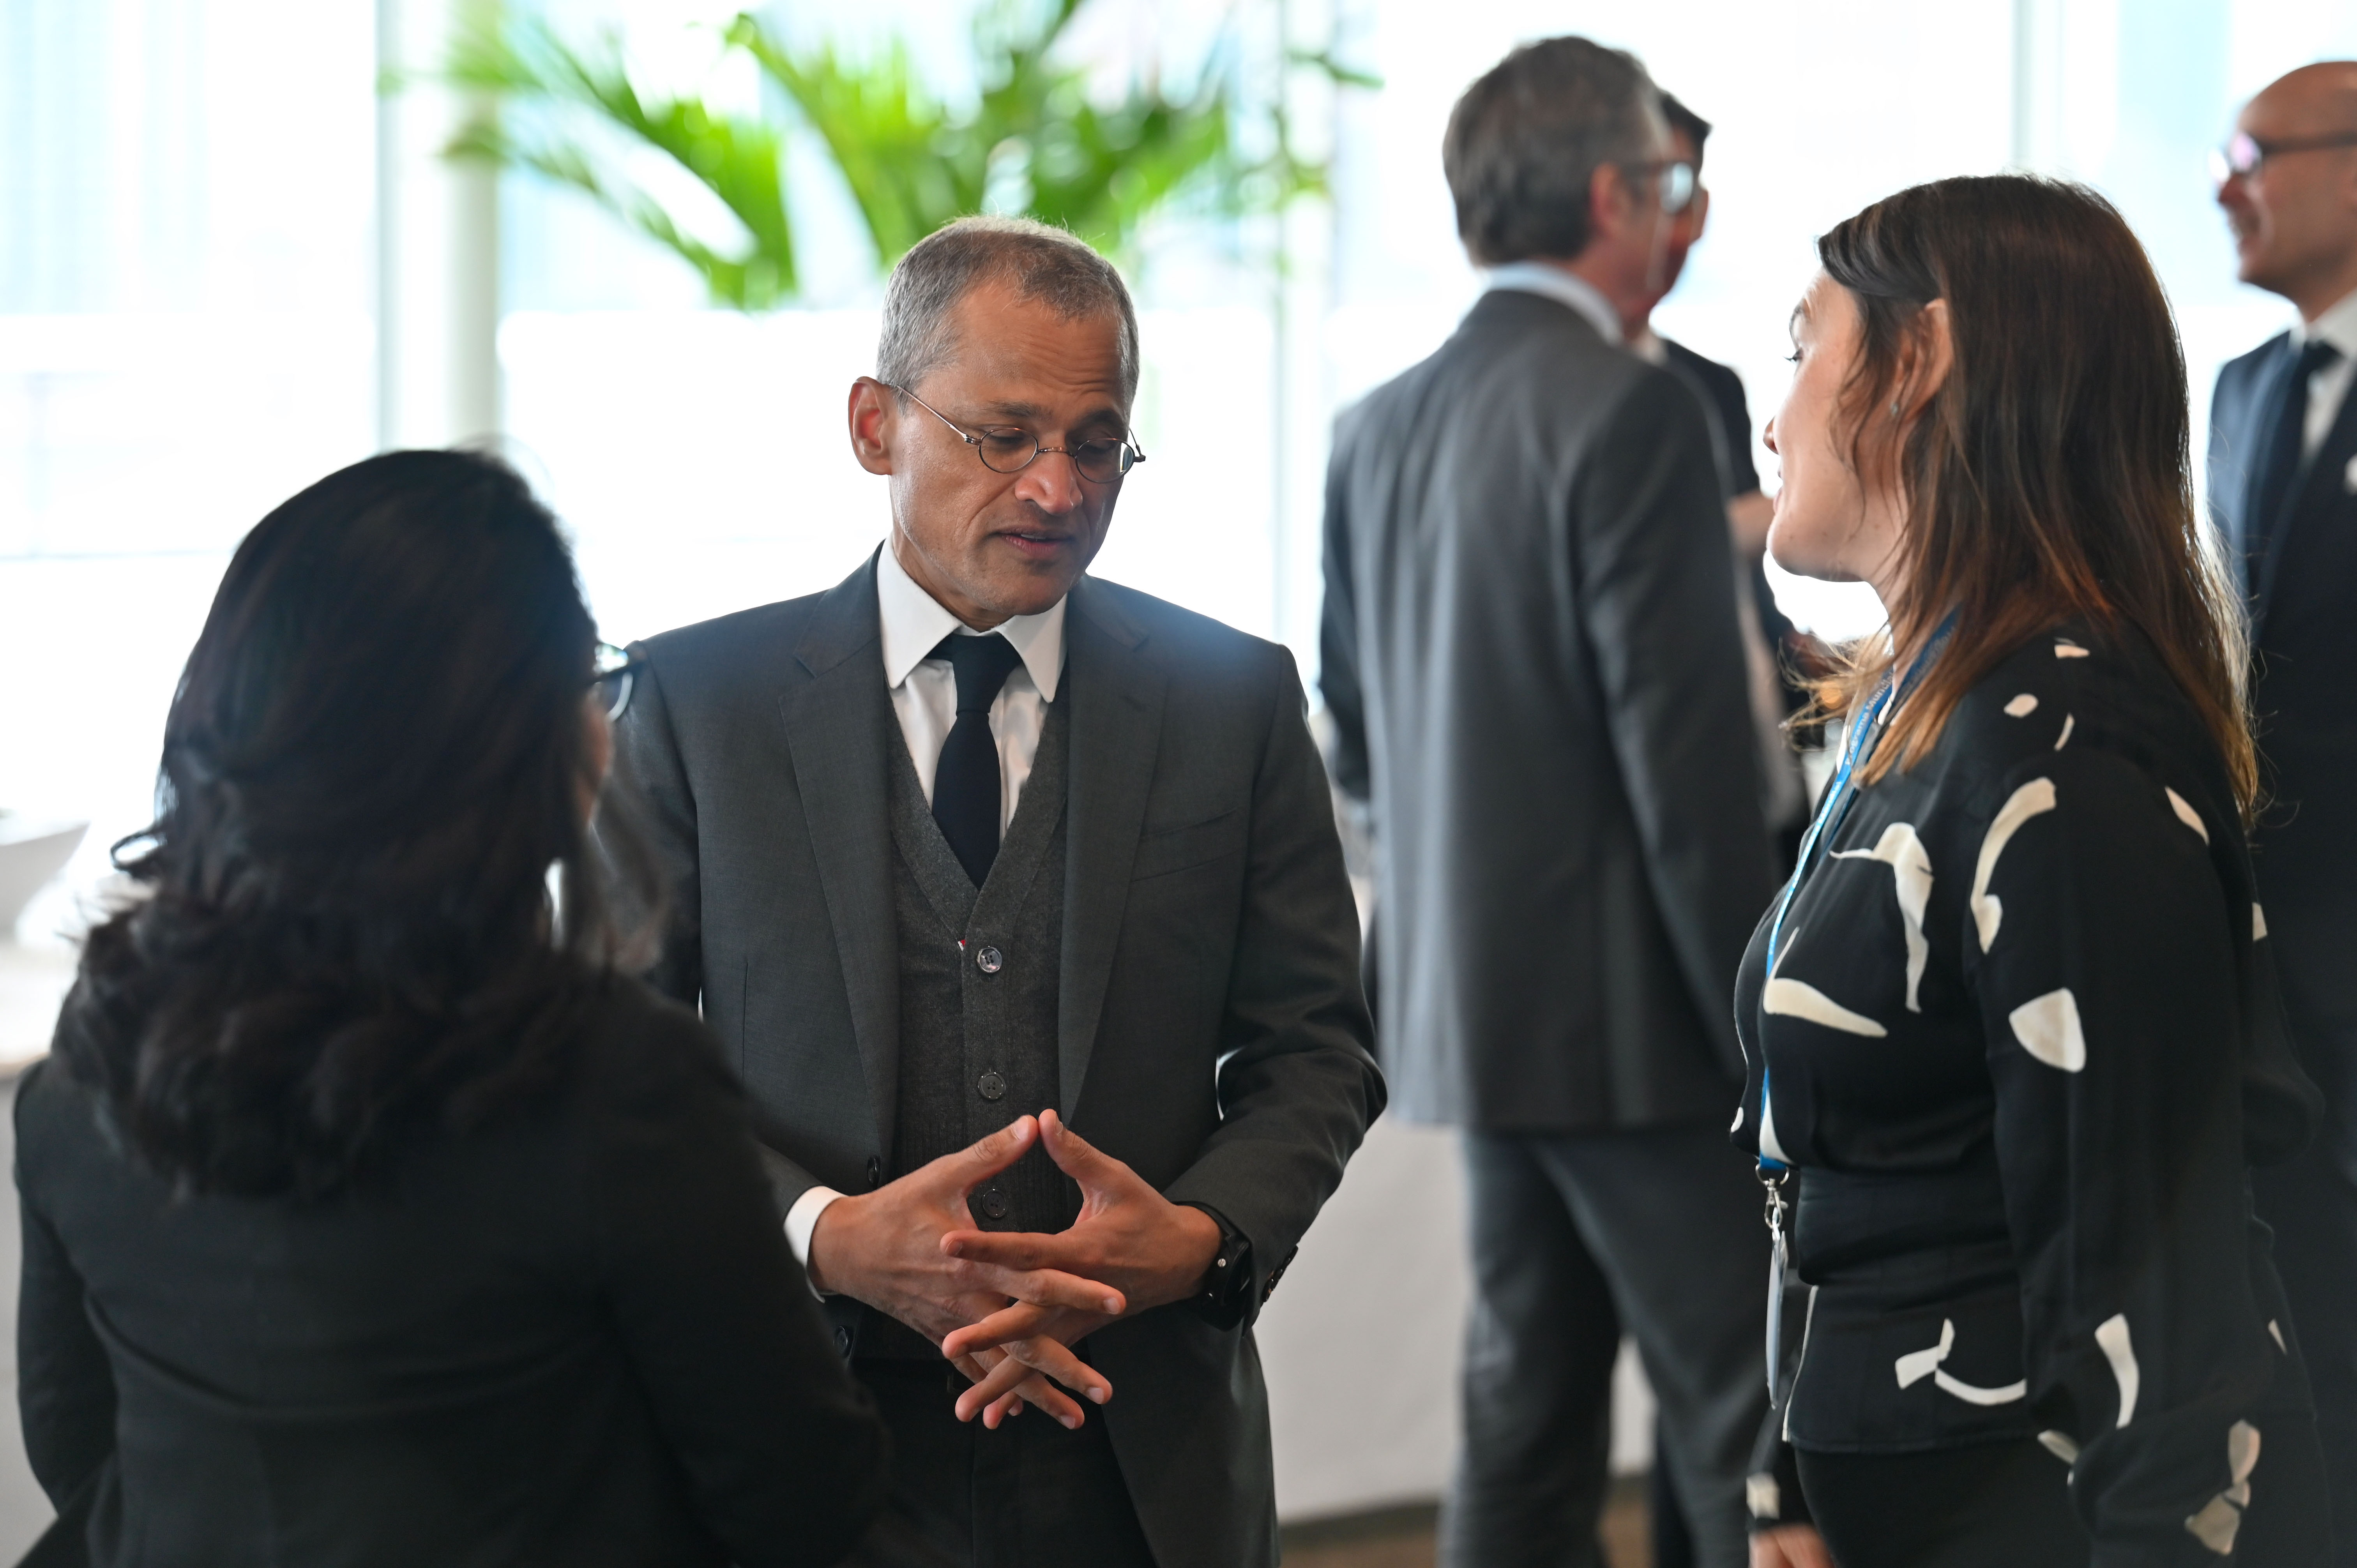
<point x="1007" y="1306"/>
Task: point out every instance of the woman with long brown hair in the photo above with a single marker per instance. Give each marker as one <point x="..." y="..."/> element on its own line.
<point x="2013" y="1039"/>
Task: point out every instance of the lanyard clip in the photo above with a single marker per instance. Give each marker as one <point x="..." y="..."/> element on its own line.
<point x="1777" y="1207"/>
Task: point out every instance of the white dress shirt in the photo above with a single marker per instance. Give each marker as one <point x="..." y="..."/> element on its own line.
<point x="924" y="699"/>
<point x="1546" y="279"/>
<point x="2328" y="387"/>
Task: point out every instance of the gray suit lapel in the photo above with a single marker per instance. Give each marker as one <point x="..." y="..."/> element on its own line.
<point x="1117" y="727"/>
<point x="838" y="723"/>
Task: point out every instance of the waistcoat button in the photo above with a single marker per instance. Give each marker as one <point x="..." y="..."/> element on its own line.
<point x="993" y="1203"/>
<point x="991" y="1085"/>
<point x="990" y="961"/>
<point x="874" y="1172"/>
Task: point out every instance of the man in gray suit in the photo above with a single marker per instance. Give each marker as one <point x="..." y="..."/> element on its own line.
<point x="1532" y="659"/>
<point x="978" y="857"/>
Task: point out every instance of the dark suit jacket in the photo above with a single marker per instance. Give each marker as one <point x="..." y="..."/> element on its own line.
<point x="2302" y="593"/>
<point x="571" y="1338"/>
<point x="1533" y="664"/>
<point x="1211" y="1032"/>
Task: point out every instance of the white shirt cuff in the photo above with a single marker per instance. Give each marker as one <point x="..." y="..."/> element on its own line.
<point x="802" y="1218"/>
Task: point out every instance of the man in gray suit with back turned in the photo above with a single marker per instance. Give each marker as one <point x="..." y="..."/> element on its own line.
<point x="1530" y="655"/>
<point x="1017" y="897"/>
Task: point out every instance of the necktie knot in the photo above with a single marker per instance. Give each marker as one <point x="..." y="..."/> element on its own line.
<point x="2316" y="355"/>
<point x="982" y="665"/>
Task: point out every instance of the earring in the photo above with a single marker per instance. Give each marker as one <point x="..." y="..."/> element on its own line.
<point x="1894" y="408"/>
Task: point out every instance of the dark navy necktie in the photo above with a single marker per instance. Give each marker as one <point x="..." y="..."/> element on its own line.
<point x="965" y="780"/>
<point x="2281" y="461"/>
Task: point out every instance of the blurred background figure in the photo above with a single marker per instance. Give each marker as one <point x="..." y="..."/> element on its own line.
<point x="1534" y="662"/>
<point x="1772" y="645"/>
<point x="2282" y="490"/>
<point x="369" y="1214"/>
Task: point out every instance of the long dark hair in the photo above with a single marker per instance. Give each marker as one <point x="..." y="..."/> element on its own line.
<point x="344" y="935"/>
<point x="2050" y="475"/>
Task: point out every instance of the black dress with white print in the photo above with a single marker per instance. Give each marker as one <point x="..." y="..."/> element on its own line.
<point x="2024" y="1044"/>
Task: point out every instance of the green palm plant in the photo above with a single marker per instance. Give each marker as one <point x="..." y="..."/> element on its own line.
<point x="1035" y="139"/>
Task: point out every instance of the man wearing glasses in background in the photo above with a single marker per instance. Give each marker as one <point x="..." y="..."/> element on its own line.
<point x="1767" y="634"/>
<point x="1530" y="655"/>
<point x="2282" y="490"/>
<point x="1017" y="897"/>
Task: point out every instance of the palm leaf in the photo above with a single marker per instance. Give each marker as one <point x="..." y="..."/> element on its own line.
<point x="912" y="160"/>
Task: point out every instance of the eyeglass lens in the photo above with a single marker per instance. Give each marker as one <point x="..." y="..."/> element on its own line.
<point x="1678" y="185"/>
<point x="2239" y="159"/>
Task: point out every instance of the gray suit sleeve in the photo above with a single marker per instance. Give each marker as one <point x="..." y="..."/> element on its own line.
<point x="1338" y="636"/>
<point x="1297" y="1082"/>
<point x="647" y="764"/>
<point x="1656" y="581"/>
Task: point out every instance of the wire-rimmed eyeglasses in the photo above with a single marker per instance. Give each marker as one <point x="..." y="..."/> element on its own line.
<point x="2243" y="153"/>
<point x="1007" y="449"/>
<point x="616" y="672"/>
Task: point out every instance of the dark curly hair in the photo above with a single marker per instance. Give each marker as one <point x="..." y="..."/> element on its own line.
<point x="345" y="936"/>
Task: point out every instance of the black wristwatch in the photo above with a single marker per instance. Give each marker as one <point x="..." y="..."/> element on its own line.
<point x="1227" y="1292"/>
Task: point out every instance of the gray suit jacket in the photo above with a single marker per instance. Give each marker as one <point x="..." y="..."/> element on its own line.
<point x="1531" y="658"/>
<point x="1212" y="1032"/>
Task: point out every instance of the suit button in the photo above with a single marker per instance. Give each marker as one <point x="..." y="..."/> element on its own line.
<point x="993" y="1202"/>
<point x="842" y="1341"/>
<point x="991" y="1085"/>
<point x="990" y="961"/>
<point x="874" y="1172"/>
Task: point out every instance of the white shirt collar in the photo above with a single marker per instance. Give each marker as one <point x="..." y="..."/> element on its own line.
<point x="2337" y="326"/>
<point x="1647" y="344"/>
<point x="1564" y="289"/>
<point x="914" y="624"/>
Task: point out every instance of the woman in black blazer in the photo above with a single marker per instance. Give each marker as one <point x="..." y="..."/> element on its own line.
<point x="369" y="1217"/>
<point x="2013" y="1038"/>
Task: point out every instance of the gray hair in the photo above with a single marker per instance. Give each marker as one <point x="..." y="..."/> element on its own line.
<point x="1045" y="265"/>
<point x="1525" y="143"/>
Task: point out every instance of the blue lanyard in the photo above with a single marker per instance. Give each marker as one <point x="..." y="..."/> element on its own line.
<point x="1856" y="747"/>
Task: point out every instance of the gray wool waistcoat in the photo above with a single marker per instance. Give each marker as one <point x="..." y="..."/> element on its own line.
<point x="979" y="990"/>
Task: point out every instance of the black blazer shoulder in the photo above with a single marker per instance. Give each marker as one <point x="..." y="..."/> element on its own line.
<point x="570" y="1335"/>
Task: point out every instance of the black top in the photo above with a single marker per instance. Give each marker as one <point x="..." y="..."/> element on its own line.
<point x="2024" y="1046"/>
<point x="575" y="1337"/>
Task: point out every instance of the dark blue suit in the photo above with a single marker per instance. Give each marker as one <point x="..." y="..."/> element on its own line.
<point x="2298" y="571"/>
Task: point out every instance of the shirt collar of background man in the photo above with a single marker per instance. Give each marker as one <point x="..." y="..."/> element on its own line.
<point x="2337" y="326"/>
<point x="914" y="623"/>
<point x="1564" y="287"/>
